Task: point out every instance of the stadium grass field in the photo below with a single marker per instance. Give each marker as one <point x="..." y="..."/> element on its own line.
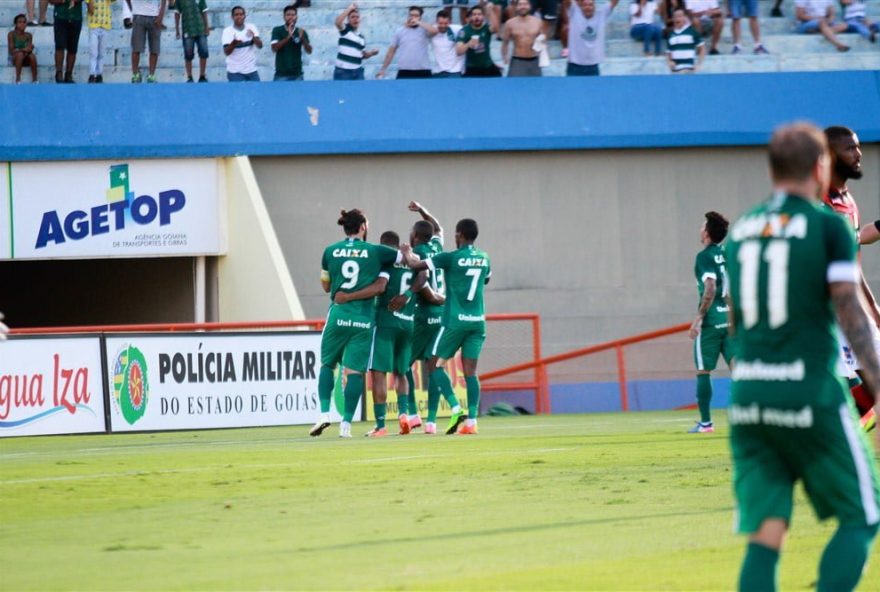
<point x="599" y="502"/>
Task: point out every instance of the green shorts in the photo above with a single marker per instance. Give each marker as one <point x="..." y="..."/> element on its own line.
<point x="449" y="340"/>
<point x="775" y="447"/>
<point x="391" y="350"/>
<point x="423" y="340"/>
<point x="347" y="341"/>
<point x="709" y="344"/>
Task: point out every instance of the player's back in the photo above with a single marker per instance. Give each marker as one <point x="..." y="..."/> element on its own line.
<point x="354" y="264"/>
<point x="781" y="256"/>
<point x="424" y="309"/>
<point x="400" y="279"/>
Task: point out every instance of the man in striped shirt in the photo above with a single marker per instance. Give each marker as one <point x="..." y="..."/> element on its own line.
<point x="352" y="46"/>
<point x="686" y="49"/>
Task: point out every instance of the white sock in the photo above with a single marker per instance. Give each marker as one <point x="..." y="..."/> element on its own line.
<point x="456" y="409"/>
<point x="471" y="422"/>
<point x="325" y="418"/>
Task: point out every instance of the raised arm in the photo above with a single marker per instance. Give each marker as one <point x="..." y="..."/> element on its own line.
<point x="415" y="206"/>
<point x="340" y="20"/>
<point x="370" y="291"/>
<point x="705" y="303"/>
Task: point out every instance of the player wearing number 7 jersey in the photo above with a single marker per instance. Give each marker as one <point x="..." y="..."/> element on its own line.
<point x="709" y="329"/>
<point x="792" y="266"/>
<point x="349" y="266"/>
<point x="466" y="271"/>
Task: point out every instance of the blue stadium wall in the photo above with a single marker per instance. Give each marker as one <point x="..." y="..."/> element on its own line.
<point x="48" y="122"/>
<point x="74" y="122"/>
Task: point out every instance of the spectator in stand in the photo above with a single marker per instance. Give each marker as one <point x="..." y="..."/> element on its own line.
<point x="29" y="8"/>
<point x="667" y="8"/>
<point x="194" y="14"/>
<point x="288" y="43"/>
<point x="100" y="23"/>
<point x="68" y="26"/>
<point x="352" y="48"/>
<point x="707" y="18"/>
<point x="126" y="14"/>
<point x="449" y="63"/>
<point x="474" y="42"/>
<point x="776" y="11"/>
<point x="856" y="19"/>
<point x="586" y="36"/>
<point x="749" y="8"/>
<point x="642" y="26"/>
<point x="524" y="29"/>
<point x="818" y="16"/>
<point x="462" y="9"/>
<point x="686" y="49"/>
<point x="21" y="51"/>
<point x="411" y="41"/>
<point x="146" y="22"/>
<point x="241" y="40"/>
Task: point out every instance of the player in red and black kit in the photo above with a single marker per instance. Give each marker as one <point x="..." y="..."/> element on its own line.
<point x="846" y="163"/>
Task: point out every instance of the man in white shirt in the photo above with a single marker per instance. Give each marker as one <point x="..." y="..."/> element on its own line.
<point x="241" y="41"/>
<point x="147" y="18"/>
<point x="448" y="63"/>
<point x="817" y="16"/>
<point x="586" y="36"/>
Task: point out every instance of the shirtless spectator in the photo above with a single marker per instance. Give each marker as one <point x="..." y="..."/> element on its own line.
<point x="524" y="29"/>
<point x="707" y="19"/>
<point x="817" y="16"/>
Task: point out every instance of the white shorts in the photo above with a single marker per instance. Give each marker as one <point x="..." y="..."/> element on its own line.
<point x="848" y="363"/>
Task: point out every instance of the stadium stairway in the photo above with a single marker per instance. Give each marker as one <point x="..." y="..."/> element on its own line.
<point x="790" y="52"/>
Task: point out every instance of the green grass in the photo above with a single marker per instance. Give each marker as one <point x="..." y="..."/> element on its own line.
<point x="616" y="501"/>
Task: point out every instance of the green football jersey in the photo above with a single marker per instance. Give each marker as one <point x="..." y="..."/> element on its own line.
<point x="465" y="271"/>
<point x="352" y="265"/>
<point x="425" y="310"/>
<point x="781" y="257"/>
<point x="710" y="265"/>
<point x="400" y="279"/>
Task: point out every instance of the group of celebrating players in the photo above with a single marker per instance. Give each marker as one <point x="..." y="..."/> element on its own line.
<point x="393" y="305"/>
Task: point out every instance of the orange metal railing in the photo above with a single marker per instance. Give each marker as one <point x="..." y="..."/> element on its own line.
<point x="540" y="366"/>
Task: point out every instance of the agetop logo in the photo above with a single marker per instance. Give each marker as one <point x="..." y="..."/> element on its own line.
<point x="131" y="388"/>
<point x="122" y="208"/>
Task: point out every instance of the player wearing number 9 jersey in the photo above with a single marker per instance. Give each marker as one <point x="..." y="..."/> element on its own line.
<point x="466" y="270"/>
<point x="709" y="329"/>
<point x="347" y="267"/>
<point x="791" y="265"/>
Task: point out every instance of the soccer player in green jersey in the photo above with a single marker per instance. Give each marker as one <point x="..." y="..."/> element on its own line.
<point x="426" y="239"/>
<point x="709" y="329"/>
<point x="391" y="345"/>
<point x="466" y="271"/>
<point x="792" y="266"/>
<point x="349" y="266"/>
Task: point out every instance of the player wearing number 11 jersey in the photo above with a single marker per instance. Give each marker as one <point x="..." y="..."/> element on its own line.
<point x="792" y="269"/>
<point x="349" y="266"/>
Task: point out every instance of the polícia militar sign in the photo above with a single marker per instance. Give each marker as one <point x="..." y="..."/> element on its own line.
<point x="138" y="208"/>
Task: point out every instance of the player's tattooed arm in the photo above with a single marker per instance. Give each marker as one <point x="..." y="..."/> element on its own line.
<point x="731" y="317"/>
<point x="854" y="324"/>
<point x="411" y="259"/>
<point x="705" y="303"/>
<point x="370" y="291"/>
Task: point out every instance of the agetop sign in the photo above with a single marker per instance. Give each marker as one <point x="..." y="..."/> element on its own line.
<point x="88" y="209"/>
<point x="182" y="382"/>
<point x="51" y="386"/>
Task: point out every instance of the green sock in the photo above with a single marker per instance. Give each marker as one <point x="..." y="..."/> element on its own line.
<point x="433" y="399"/>
<point x="444" y="385"/>
<point x="844" y="558"/>
<point x="473" y="396"/>
<point x="411" y="381"/>
<point x="758" y="572"/>
<point x="354" y="388"/>
<point x="402" y="403"/>
<point x="704" y="397"/>
<point x="379" y="411"/>
<point x="325" y="388"/>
